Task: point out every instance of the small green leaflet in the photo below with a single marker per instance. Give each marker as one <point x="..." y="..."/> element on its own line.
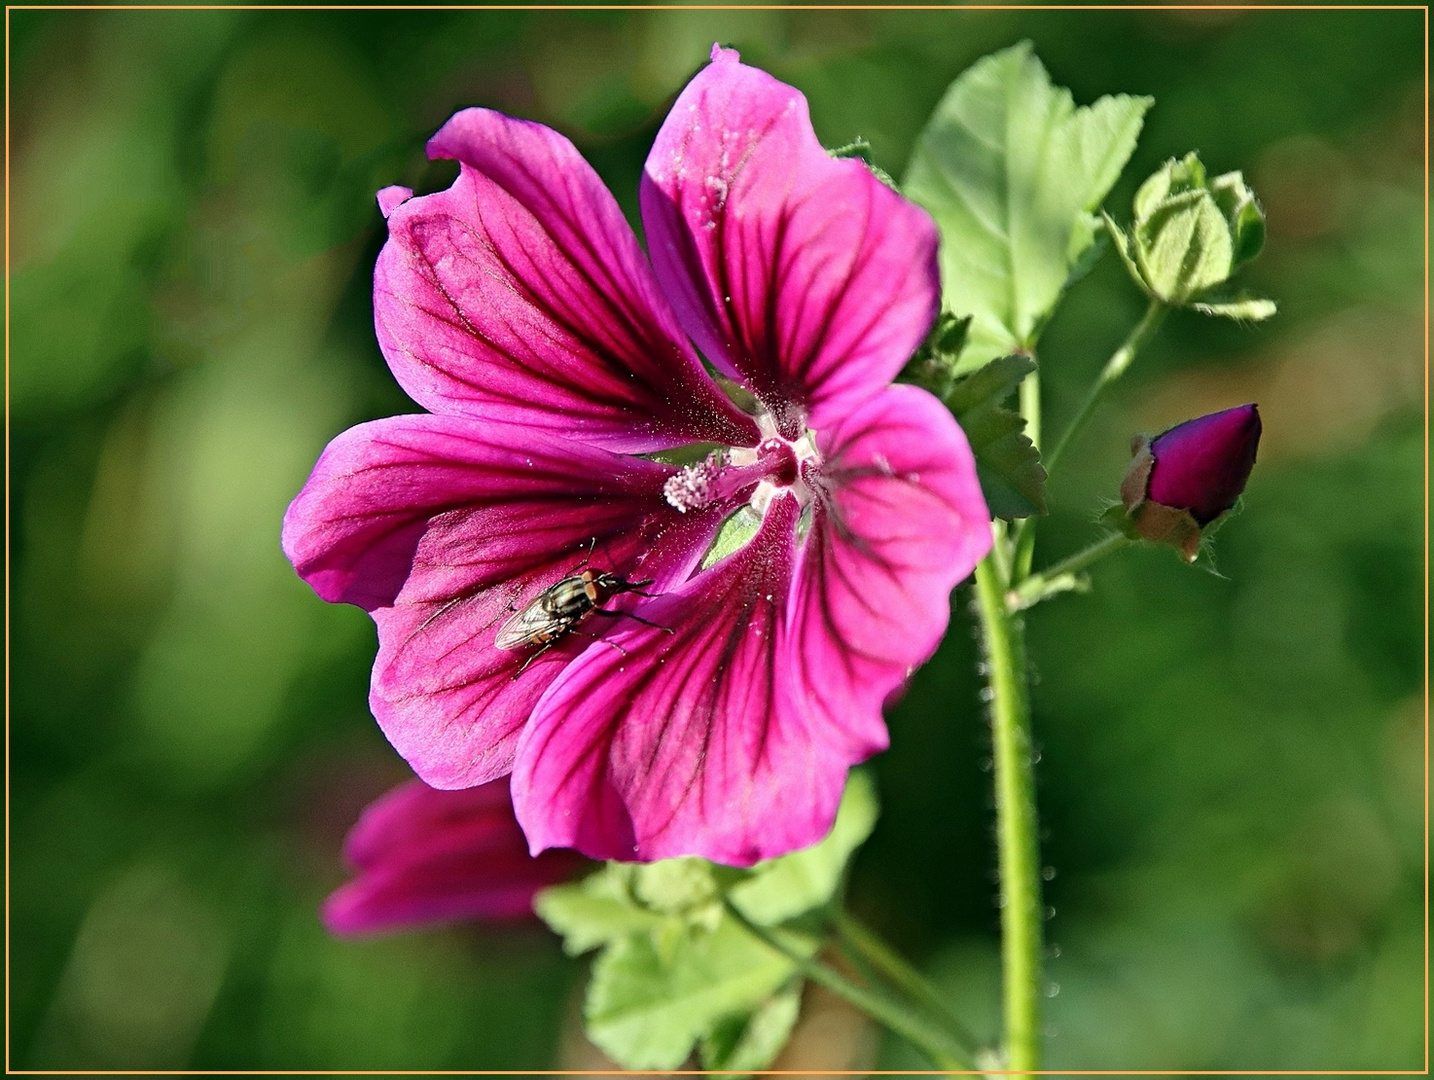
<point x="1012" y="172"/>
<point x="677" y="972"/>
<point x="860" y="149"/>
<point x="646" y="1010"/>
<point x="749" y="1043"/>
<point x="1007" y="462"/>
<point x="933" y="366"/>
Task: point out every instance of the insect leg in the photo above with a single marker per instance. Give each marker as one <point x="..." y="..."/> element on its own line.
<point x="634" y="618"/>
<point x="542" y="649"/>
<point x="599" y="637"/>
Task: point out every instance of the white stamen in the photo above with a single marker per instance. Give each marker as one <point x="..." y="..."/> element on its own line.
<point x="691" y="487"/>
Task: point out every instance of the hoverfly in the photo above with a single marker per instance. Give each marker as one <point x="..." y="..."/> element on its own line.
<point x="556" y="611"/>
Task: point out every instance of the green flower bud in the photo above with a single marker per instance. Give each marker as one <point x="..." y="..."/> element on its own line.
<point x="1190" y="234"/>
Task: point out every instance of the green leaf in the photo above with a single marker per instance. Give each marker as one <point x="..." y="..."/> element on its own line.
<point x="673" y="885"/>
<point x="781" y="889"/>
<point x="934" y="364"/>
<point x="1011" y="170"/>
<point x="1243" y="309"/>
<point x="593" y="912"/>
<point x="646" y="1010"/>
<point x="749" y="1043"/>
<point x="1007" y="462"/>
<point x="677" y="967"/>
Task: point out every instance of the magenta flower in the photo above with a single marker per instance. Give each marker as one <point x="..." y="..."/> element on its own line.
<point x="425" y="855"/>
<point x="519" y="308"/>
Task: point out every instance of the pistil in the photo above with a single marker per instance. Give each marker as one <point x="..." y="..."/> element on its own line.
<point x="723" y="476"/>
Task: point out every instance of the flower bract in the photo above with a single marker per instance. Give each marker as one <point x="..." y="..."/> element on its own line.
<point x="574" y="427"/>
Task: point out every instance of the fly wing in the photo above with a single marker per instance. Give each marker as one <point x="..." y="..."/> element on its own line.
<point x="533" y="625"/>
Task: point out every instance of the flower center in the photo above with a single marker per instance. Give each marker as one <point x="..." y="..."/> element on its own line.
<point x="751" y="473"/>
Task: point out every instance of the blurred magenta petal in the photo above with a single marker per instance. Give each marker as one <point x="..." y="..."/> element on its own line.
<point x="520" y="294"/>
<point x="686" y="743"/>
<point x="801" y="274"/>
<point x="1203" y="464"/>
<point x="899" y="520"/>
<point x="425" y="855"/>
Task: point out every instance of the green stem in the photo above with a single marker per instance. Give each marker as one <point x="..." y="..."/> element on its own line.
<point x="1018" y="848"/>
<point x="1114" y="369"/>
<point x="1024" y="545"/>
<point x="943" y="1050"/>
<point x="1062" y="577"/>
<point x="1030" y="404"/>
<point x="903" y="976"/>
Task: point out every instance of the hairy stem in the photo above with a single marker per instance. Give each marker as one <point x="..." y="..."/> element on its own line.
<point x="945" y="1052"/>
<point x="1062" y="577"/>
<point x="1024" y="544"/>
<point x="1114" y="368"/>
<point x="1018" y="848"/>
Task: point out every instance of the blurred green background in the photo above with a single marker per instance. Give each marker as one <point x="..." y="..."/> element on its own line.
<point x="1232" y="767"/>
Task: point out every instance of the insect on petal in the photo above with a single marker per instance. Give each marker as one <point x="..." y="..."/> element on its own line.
<point x="686" y="742"/>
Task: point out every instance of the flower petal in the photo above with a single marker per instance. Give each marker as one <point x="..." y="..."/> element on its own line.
<point x="802" y="274"/>
<point x="521" y="294"/>
<point x="685" y="743"/>
<point x="901" y="519"/>
<point x="426" y="855"/>
<point x="510" y="498"/>
<point x="443" y="528"/>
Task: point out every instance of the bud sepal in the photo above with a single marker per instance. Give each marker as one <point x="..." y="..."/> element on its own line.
<point x="1153" y="521"/>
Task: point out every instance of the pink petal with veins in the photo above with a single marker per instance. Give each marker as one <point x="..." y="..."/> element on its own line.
<point x="443" y="528"/>
<point x="899" y="520"/>
<point x="520" y="294"/>
<point x="801" y="274"/>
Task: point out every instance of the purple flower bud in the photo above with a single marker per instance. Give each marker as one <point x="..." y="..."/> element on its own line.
<point x="1182" y="480"/>
<point x="1202" y="464"/>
